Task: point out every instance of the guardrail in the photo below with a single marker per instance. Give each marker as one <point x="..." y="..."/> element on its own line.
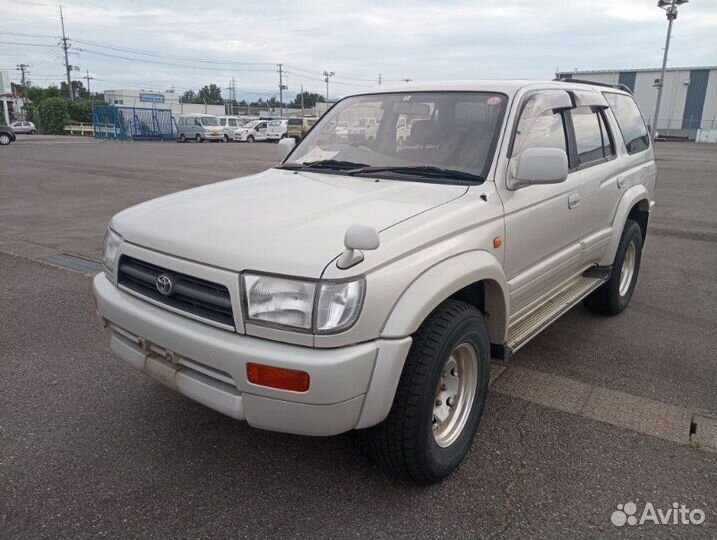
<point x="81" y="129"/>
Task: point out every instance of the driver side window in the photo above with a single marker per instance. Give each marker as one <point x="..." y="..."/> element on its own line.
<point x="545" y="131"/>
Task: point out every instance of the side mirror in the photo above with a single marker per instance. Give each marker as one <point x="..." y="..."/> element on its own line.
<point x="357" y="237"/>
<point x="285" y="146"/>
<point x="539" y="166"/>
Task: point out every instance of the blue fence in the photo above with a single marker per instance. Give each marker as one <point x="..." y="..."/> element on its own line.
<point x="132" y="123"/>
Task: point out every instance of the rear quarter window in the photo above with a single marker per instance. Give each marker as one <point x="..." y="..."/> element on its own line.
<point x="630" y="121"/>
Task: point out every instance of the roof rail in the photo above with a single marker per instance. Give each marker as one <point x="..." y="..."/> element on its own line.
<point x="583" y="81"/>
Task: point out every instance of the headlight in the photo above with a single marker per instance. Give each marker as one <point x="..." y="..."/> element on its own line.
<point x="323" y="307"/>
<point x="279" y="301"/>
<point x="110" y="247"/>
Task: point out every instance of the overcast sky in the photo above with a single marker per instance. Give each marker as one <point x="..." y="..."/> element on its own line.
<point x="356" y="39"/>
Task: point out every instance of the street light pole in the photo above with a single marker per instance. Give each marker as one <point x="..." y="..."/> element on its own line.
<point x="327" y="75"/>
<point x="670" y="8"/>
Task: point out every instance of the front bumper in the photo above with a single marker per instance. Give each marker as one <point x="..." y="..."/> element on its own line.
<point x="351" y="387"/>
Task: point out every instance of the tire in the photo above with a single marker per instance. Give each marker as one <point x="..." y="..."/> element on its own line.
<point x="411" y="442"/>
<point x="198" y="138"/>
<point x="5" y="139"/>
<point x="33" y="132"/>
<point x="615" y="294"/>
<point x="182" y="138"/>
<point x="250" y="138"/>
<point x="226" y="138"/>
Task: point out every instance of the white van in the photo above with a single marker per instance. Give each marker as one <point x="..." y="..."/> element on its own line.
<point x="200" y="127"/>
<point x="229" y="125"/>
<point x="276" y="129"/>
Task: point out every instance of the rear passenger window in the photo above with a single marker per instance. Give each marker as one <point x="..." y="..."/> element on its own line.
<point x="630" y="122"/>
<point x="588" y="136"/>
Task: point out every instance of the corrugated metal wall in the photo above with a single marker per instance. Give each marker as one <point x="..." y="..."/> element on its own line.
<point x="695" y="101"/>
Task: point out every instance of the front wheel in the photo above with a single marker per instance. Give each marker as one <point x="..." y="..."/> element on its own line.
<point x="226" y="138"/>
<point x="440" y="397"/>
<point x="250" y="138"/>
<point x="615" y="294"/>
<point x="198" y="138"/>
<point x="5" y="139"/>
<point x="33" y="132"/>
<point x="182" y="138"/>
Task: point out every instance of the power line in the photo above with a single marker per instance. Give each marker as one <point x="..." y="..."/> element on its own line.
<point x="25" y="44"/>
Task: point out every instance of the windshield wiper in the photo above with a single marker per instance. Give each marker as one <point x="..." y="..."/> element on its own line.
<point x="424" y="171"/>
<point x="334" y="164"/>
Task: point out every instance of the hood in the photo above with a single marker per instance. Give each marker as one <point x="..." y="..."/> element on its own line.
<point x="278" y="221"/>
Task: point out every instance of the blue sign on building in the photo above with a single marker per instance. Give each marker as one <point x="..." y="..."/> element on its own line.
<point x="151" y="98"/>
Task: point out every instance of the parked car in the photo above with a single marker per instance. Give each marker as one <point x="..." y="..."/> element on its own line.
<point x="252" y="131"/>
<point x="364" y="129"/>
<point x="298" y="127"/>
<point x="199" y="127"/>
<point x="229" y="125"/>
<point x="276" y="129"/>
<point x="368" y="286"/>
<point x="7" y="135"/>
<point x="24" y="127"/>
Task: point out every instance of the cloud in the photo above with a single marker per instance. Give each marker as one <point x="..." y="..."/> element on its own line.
<point x="420" y="40"/>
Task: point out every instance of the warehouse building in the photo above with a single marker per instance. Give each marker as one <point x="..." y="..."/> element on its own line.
<point x="689" y="98"/>
<point x="159" y="100"/>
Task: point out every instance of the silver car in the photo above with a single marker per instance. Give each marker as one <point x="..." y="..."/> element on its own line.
<point x="362" y="284"/>
<point x="24" y="127"/>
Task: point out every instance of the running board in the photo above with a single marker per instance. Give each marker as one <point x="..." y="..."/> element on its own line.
<point x="529" y="326"/>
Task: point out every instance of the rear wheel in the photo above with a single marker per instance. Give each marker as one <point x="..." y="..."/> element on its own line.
<point x="440" y="397"/>
<point x="33" y="132"/>
<point x="615" y="294"/>
<point x="226" y="138"/>
<point x="182" y="138"/>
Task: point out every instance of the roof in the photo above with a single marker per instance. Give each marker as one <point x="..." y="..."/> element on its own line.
<point x="638" y="70"/>
<point x="507" y="86"/>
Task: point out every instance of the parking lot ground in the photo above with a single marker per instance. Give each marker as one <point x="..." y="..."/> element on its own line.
<point x="90" y="447"/>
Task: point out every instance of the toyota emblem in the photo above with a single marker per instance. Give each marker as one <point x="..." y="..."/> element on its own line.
<point x="164" y="284"/>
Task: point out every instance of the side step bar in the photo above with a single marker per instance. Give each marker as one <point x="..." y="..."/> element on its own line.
<point x="529" y="326"/>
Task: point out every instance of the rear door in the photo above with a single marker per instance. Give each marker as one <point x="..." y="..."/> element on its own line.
<point x="599" y="170"/>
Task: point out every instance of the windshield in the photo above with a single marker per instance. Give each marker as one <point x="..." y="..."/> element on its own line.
<point x="295" y="121"/>
<point x="275" y="123"/>
<point x="440" y="130"/>
<point x="251" y="124"/>
<point x="209" y="121"/>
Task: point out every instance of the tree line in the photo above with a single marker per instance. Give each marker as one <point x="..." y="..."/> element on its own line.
<point x="211" y="94"/>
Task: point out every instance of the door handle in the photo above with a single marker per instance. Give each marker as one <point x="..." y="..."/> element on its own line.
<point x="574" y="200"/>
<point x="620" y="182"/>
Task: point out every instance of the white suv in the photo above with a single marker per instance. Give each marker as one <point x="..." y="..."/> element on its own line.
<point x="365" y="284"/>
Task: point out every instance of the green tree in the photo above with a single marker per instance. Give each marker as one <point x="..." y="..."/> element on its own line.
<point x="79" y="91"/>
<point x="310" y="100"/>
<point x="188" y="97"/>
<point x="54" y="115"/>
<point x="80" y="111"/>
<point x="210" y="94"/>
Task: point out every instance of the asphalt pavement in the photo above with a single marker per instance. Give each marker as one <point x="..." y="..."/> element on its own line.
<point x="89" y="447"/>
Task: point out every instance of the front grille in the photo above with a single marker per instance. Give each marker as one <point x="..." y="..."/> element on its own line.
<point x="193" y="295"/>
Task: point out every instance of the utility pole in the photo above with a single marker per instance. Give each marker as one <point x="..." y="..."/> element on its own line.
<point x="88" y="79"/>
<point x="234" y="94"/>
<point x="670" y="8"/>
<point x="68" y="68"/>
<point x="282" y="87"/>
<point x="327" y="76"/>
<point x="380" y="79"/>
<point x="23" y="68"/>
<point x="302" y="100"/>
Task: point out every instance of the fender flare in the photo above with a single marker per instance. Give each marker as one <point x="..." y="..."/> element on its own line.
<point x="445" y="278"/>
<point x="637" y="194"/>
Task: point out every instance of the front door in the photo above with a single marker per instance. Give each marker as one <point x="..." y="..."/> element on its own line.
<point x="542" y="222"/>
